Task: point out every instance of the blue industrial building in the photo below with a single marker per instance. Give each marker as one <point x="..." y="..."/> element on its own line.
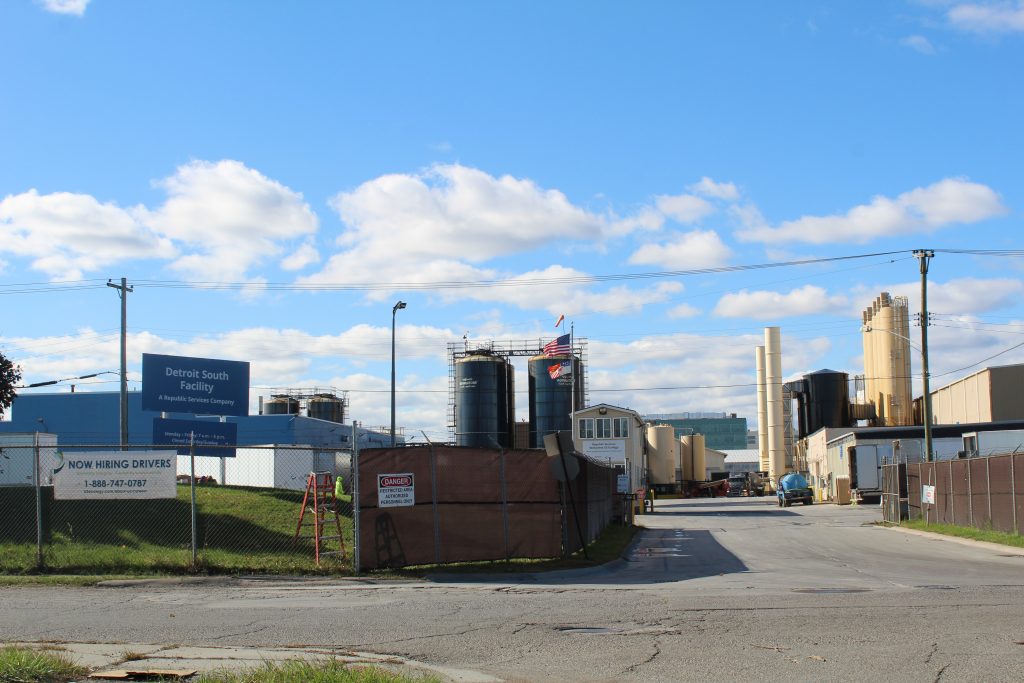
<point x="93" y="419"/>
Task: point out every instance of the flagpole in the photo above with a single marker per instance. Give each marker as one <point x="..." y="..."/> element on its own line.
<point x="572" y="369"/>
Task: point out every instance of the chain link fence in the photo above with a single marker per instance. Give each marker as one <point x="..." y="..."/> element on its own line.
<point x="98" y="509"/>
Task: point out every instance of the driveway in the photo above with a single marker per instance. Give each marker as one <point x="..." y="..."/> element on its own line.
<point x="712" y="590"/>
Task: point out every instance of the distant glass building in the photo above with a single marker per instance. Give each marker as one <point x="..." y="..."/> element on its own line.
<point x="722" y="431"/>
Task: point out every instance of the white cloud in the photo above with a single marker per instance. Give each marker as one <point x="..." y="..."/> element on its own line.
<point x="442" y="224"/>
<point x="767" y="305"/>
<point x="988" y="17"/>
<point x="709" y="188"/>
<point x="919" y="43"/>
<point x="684" y="208"/>
<point x="961" y="296"/>
<point x="67" y="234"/>
<point x="921" y="210"/>
<point x="219" y="220"/>
<point x="456" y="212"/>
<point x="232" y="216"/>
<point x="695" y="249"/>
<point x="75" y="7"/>
<point x="723" y="366"/>
<point x="684" y="311"/>
<point x="301" y="257"/>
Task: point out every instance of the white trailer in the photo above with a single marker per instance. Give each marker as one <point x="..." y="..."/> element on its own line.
<point x="272" y="466"/>
<point x="17" y="455"/>
<point x="981" y="444"/>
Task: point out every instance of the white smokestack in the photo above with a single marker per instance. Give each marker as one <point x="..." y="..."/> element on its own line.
<point x="762" y="409"/>
<point x="773" y="390"/>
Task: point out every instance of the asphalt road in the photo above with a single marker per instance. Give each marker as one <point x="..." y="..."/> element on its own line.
<point x="713" y="590"/>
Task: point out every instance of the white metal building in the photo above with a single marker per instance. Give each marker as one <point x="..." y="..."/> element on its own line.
<point x="615" y="435"/>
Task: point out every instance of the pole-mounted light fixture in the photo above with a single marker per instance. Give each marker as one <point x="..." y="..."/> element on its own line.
<point x="397" y="307"/>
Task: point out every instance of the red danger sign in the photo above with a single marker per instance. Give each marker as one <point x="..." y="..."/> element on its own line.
<point x="396" y="490"/>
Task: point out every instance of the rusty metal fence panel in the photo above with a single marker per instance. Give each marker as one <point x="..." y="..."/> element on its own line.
<point x="985" y="492"/>
<point x="471" y="504"/>
<point x="246" y="516"/>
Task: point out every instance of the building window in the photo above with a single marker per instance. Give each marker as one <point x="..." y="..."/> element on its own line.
<point x="620" y="427"/>
<point x="586" y="428"/>
<point x="604" y="427"/>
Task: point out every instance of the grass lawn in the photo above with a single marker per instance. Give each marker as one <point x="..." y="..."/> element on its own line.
<point x="1001" y="537"/>
<point x="22" y="665"/>
<point x="329" y="671"/>
<point x="238" y="530"/>
<point x="25" y="665"/>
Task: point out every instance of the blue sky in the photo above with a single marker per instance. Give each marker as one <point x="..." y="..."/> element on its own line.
<point x="388" y="147"/>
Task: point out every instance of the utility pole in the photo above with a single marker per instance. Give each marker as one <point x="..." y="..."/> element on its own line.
<point x="924" y="256"/>
<point x="123" y="290"/>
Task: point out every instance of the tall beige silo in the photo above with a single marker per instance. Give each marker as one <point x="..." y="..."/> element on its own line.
<point x="686" y="457"/>
<point x="887" y="360"/>
<point x="762" y="409"/>
<point x="700" y="468"/>
<point x="773" y="381"/>
<point x="662" y="455"/>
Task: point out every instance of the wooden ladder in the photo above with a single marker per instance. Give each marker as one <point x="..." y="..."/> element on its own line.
<point x="320" y="502"/>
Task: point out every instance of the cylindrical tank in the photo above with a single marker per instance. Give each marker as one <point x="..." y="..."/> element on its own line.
<point x="773" y="379"/>
<point x="484" y="401"/>
<point x="828" y="400"/>
<point x="326" y="407"/>
<point x="762" y="408"/>
<point x="281" y="404"/>
<point x="686" y="457"/>
<point x="551" y="398"/>
<point x="700" y="467"/>
<point x="662" y="454"/>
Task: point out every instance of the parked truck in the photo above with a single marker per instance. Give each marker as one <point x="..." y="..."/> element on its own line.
<point x="793" y="488"/>
<point x="745" y="484"/>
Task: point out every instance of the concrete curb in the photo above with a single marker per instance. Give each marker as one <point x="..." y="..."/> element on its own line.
<point x="986" y="545"/>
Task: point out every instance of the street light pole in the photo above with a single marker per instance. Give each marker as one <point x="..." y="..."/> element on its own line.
<point x="394" y="311"/>
<point x="924" y="256"/>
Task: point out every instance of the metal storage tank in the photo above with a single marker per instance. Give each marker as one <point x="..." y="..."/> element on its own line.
<point x="827" y="400"/>
<point x="484" y="401"/>
<point x="326" y="407"/>
<point x="686" y="457"/>
<point x="694" y="444"/>
<point x="662" y="454"/>
<point x="551" y="400"/>
<point x="281" y="404"/>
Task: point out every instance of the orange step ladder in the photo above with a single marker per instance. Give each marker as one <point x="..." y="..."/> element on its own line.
<point x="320" y="502"/>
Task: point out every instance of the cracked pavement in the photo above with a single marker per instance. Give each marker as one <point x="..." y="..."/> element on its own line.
<point x="713" y="590"/>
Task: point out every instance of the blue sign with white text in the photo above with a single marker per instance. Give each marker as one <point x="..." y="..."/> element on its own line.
<point x="202" y="433"/>
<point x="201" y="386"/>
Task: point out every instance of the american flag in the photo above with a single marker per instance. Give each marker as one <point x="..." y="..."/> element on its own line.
<point x="557" y="347"/>
<point x="563" y="369"/>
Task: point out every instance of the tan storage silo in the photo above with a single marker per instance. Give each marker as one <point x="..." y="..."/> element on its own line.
<point x="686" y="457"/>
<point x="700" y="468"/>
<point x="661" y="454"/>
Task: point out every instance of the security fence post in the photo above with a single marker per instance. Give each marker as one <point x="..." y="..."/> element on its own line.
<point x="952" y="491"/>
<point x="39" y="501"/>
<point x="970" y="495"/>
<point x="988" y="486"/>
<point x="192" y="491"/>
<point x="1013" y="492"/>
<point x="355" y="497"/>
